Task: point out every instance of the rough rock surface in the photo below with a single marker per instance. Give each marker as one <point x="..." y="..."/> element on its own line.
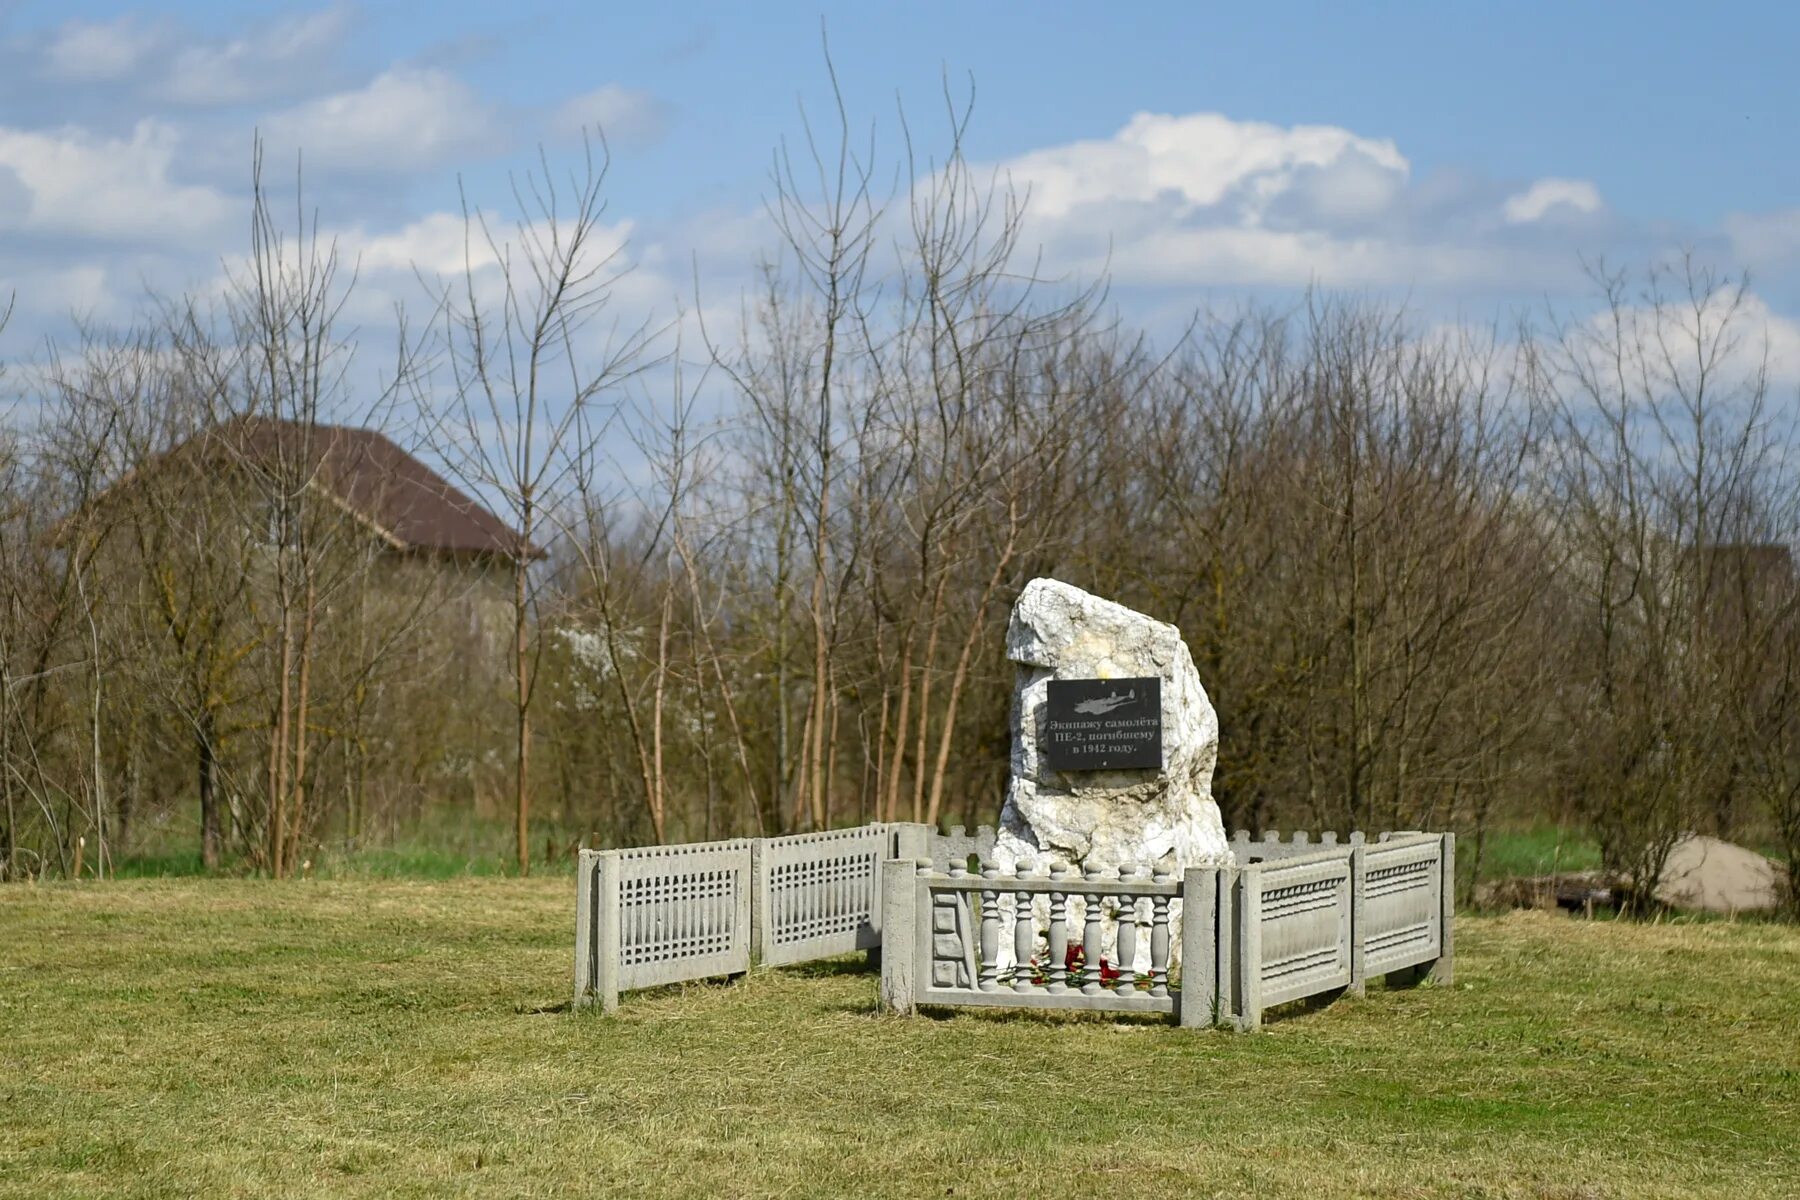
<point x="1710" y="875"/>
<point x="1158" y="819"/>
<point x="1161" y="819"/>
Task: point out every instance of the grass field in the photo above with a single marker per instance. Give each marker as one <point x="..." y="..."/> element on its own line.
<point x="375" y="1038"/>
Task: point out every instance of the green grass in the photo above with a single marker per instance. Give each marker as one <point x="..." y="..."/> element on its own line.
<point x="438" y="847"/>
<point x="381" y="1038"/>
<point x="1532" y="850"/>
<point x="441" y="849"/>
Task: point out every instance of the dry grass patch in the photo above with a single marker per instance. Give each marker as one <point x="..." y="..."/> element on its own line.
<point x="392" y="1038"/>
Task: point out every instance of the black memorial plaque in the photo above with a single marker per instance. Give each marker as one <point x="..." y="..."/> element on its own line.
<point x="1103" y="725"/>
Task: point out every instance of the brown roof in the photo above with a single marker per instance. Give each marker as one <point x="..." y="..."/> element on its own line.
<point x="414" y="507"/>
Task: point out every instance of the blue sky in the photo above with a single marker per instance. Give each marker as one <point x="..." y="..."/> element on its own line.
<point x="1464" y="157"/>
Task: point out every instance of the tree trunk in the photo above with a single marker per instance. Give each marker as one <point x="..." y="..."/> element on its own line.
<point x="961" y="676"/>
<point x="890" y="804"/>
<point x="209" y="801"/>
<point x="297" y="817"/>
<point x="278" y="744"/>
<point x="522" y="694"/>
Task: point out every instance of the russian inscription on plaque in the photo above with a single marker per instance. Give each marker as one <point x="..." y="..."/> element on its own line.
<point x="1103" y="724"/>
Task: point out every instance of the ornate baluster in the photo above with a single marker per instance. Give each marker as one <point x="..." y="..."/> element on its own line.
<point x="1159" y="937"/>
<point x="1056" y="971"/>
<point x="1024" y="934"/>
<point x="1090" y="940"/>
<point x="990" y="931"/>
<point x="1128" y="906"/>
<point x="959" y="869"/>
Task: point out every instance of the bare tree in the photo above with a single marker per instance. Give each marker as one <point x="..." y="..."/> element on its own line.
<point x="1664" y="445"/>
<point x="531" y="363"/>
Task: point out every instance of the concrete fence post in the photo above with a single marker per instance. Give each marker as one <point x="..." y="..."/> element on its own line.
<point x="1199" y="998"/>
<point x="761" y="894"/>
<point x="1225" y="949"/>
<point x="1443" y="971"/>
<point x="901" y="886"/>
<point x="586" y="866"/>
<point x="1359" y="878"/>
<point x="912" y="840"/>
<point x="1249" y="948"/>
<point x="605" y="925"/>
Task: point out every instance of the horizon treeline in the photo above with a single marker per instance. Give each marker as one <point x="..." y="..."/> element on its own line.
<point x="1432" y="578"/>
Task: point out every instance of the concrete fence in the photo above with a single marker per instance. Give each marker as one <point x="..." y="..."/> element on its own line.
<point x="1408" y="898"/>
<point x="943" y="935"/>
<point x="959" y="845"/>
<point x="1295" y="933"/>
<point x="1291" y="921"/>
<point x="658" y="915"/>
<point x="818" y="895"/>
<point x="668" y="914"/>
<point x="1269" y="846"/>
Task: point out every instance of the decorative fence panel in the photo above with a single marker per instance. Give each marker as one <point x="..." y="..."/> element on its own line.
<point x="661" y="914"/>
<point x="668" y="914"/>
<point x="1270" y="847"/>
<point x="959" y="845"/>
<point x="1296" y="937"/>
<point x="1407" y="897"/>
<point x="820" y="893"/>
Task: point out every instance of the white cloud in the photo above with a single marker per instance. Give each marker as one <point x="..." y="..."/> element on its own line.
<point x="263" y="62"/>
<point x="1771" y="338"/>
<point x="434" y="245"/>
<point x="1230" y="256"/>
<point x="1737" y="337"/>
<point x="622" y="114"/>
<point x="1203" y="200"/>
<point x="76" y="184"/>
<point x="1200" y="160"/>
<point x="84" y="288"/>
<point x="97" y="51"/>
<point x="1547" y="195"/>
<point x="412" y="266"/>
<point x="406" y="119"/>
<point x="1769" y="239"/>
<point x="440" y="244"/>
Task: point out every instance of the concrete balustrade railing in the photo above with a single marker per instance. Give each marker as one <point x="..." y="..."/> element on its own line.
<point x="1293" y="921"/>
<point x="943" y="930"/>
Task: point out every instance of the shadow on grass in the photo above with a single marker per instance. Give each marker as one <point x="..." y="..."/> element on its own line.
<point x="1031" y="1016"/>
<point x="831" y="968"/>
<point x="528" y="1010"/>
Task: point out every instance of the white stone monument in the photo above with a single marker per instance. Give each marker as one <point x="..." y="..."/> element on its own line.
<point x="1159" y="819"/>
